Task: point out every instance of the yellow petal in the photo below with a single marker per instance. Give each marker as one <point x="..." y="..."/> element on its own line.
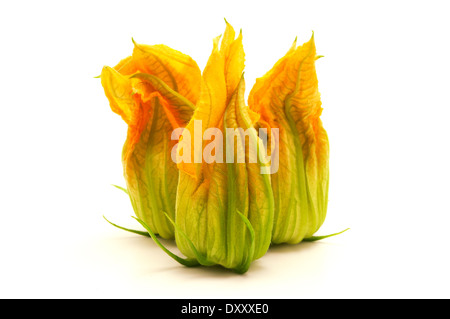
<point x="233" y="51"/>
<point x="118" y="90"/>
<point x="220" y="79"/>
<point x="126" y="66"/>
<point x="179" y="71"/>
<point x="287" y="98"/>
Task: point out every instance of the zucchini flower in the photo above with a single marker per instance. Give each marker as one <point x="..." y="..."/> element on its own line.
<point x="287" y="98"/>
<point x="224" y="210"/>
<point x="154" y="91"/>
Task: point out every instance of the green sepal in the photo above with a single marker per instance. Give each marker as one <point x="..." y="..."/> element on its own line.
<point x="142" y="233"/>
<point x="184" y="261"/>
<point x="201" y="259"/>
<point x="316" y="238"/>
<point x="121" y="188"/>
<point x="246" y="264"/>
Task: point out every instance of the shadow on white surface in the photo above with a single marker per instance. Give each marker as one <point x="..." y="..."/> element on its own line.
<point x="138" y="266"/>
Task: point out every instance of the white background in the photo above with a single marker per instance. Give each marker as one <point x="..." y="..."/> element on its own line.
<point x="385" y="82"/>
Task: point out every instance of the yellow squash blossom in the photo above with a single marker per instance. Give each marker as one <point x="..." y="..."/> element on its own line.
<point x="287" y="98"/>
<point x="154" y="91"/>
<point x="224" y="211"/>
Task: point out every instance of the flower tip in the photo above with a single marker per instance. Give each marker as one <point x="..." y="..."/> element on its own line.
<point x="104" y="69"/>
<point x="294" y="44"/>
<point x="216" y="41"/>
<point x="134" y="42"/>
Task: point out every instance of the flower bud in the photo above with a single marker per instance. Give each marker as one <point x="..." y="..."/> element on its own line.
<point x="287" y="98"/>
<point x="154" y="91"/>
<point x="225" y="207"/>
